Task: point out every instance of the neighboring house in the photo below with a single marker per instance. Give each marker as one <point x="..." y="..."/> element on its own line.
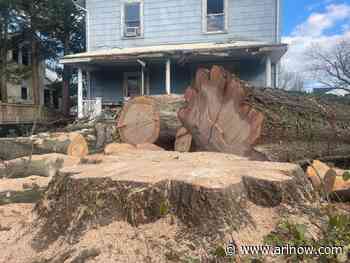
<point x="19" y="88"/>
<point x="19" y="107"/>
<point x="141" y="47"/>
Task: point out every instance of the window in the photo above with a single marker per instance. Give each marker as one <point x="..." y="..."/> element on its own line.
<point x="24" y="93"/>
<point x="132" y="19"/>
<point x="215" y="16"/>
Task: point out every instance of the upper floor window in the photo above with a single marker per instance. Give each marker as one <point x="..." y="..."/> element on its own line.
<point x="215" y="16"/>
<point x="133" y="19"/>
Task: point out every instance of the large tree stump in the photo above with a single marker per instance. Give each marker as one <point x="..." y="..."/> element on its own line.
<point x="151" y="120"/>
<point x="203" y="190"/>
<point x="224" y="114"/>
<point x="72" y="144"/>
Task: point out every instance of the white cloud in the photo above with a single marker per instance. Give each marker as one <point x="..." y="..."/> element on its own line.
<point x="314" y="31"/>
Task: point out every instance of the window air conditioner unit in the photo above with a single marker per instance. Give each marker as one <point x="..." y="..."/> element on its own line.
<point x="132" y="31"/>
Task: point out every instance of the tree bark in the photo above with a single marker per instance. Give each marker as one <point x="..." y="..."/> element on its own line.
<point x="151" y="120"/>
<point x="35" y="72"/>
<point x="3" y="59"/>
<point x="72" y="144"/>
<point x="67" y="73"/>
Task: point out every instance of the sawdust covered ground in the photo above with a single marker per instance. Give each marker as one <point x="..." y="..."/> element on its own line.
<point x="166" y="240"/>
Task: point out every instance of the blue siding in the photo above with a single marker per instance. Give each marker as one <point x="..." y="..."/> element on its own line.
<point x="180" y="21"/>
<point x="108" y="82"/>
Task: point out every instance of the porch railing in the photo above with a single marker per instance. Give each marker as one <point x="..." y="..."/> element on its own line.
<point x="24" y="113"/>
<point x="92" y="108"/>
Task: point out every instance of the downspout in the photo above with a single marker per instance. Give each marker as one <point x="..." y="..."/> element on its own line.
<point x="278" y="6"/>
<point x="278" y="40"/>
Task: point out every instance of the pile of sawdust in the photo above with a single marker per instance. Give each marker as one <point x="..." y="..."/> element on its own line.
<point x="166" y="240"/>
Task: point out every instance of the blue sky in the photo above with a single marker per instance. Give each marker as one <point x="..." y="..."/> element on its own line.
<point x="298" y="11"/>
<point x="309" y="23"/>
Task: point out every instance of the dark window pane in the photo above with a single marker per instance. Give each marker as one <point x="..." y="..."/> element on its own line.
<point x="132" y="12"/>
<point x="15" y="55"/>
<point x="24" y="93"/>
<point x="25" y="57"/>
<point x="215" y="7"/>
<point x="47" y="98"/>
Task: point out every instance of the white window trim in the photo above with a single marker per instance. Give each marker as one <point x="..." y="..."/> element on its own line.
<point x="122" y="24"/>
<point x="205" y="15"/>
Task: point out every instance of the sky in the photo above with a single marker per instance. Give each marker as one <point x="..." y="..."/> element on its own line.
<point x="307" y="23"/>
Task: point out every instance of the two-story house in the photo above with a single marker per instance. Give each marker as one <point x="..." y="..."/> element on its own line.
<point x="141" y="47"/>
<point x="19" y="84"/>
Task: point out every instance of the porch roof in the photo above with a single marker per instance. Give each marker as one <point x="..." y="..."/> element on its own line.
<point x="219" y="49"/>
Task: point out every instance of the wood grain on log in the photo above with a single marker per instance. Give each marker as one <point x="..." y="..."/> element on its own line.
<point x="150" y="120"/>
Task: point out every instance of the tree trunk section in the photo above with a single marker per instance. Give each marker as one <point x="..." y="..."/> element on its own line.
<point x="35" y="73"/>
<point x="224" y="114"/>
<point x="46" y="165"/>
<point x="72" y="144"/>
<point x="151" y="120"/>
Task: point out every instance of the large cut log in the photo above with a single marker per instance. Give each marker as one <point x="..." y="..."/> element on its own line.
<point x="72" y="144"/>
<point x="224" y="114"/>
<point x="151" y="120"/>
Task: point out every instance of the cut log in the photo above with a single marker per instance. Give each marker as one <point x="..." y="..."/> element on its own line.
<point x="151" y="120"/>
<point x="46" y="165"/>
<point x="317" y="172"/>
<point x="72" y="144"/>
<point x="336" y="186"/>
<point x="202" y="190"/>
<point x="225" y="114"/>
<point x="329" y="181"/>
<point x="23" y="190"/>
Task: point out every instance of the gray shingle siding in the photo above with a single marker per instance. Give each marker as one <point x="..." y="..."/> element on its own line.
<point x="180" y="21"/>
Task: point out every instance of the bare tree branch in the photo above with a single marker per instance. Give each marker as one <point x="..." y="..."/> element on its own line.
<point x="331" y="67"/>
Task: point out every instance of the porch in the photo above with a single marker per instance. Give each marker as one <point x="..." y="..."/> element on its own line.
<point x="11" y="114"/>
<point x="116" y="74"/>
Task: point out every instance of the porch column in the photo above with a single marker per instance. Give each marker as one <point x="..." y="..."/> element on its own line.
<point x="268" y="72"/>
<point x="168" y="77"/>
<point x="80" y="93"/>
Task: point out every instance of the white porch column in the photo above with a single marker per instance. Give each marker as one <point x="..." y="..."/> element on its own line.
<point x="268" y="72"/>
<point x="168" y="77"/>
<point x="80" y="94"/>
